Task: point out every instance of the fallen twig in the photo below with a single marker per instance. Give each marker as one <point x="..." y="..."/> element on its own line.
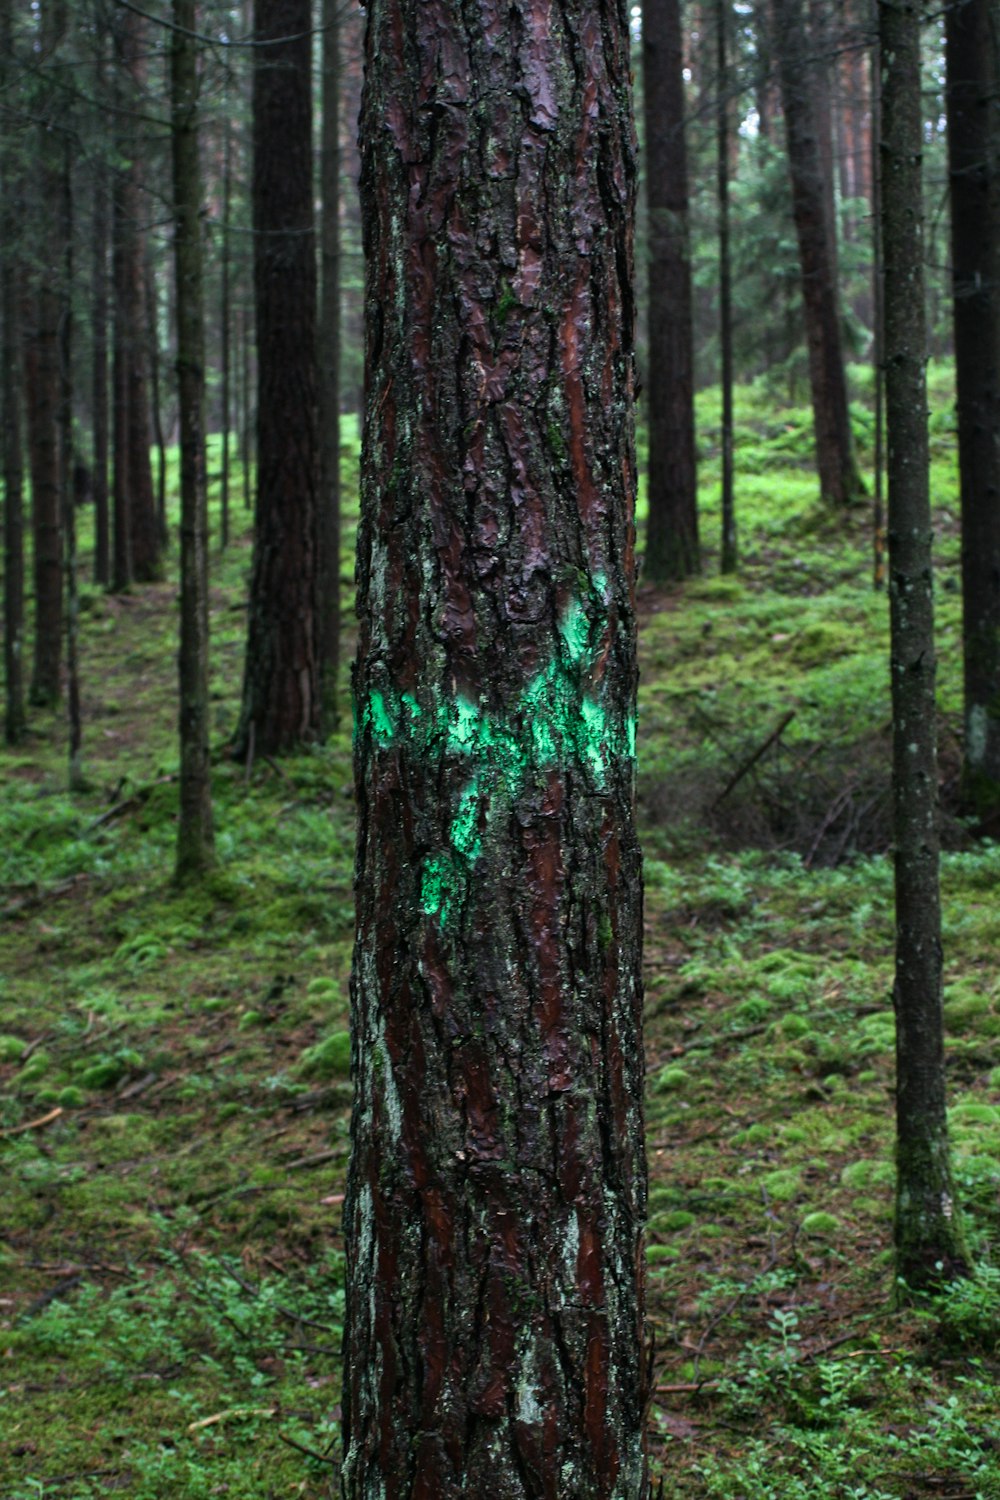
<point x="53" y="1114"/>
<point x="309" y="1452"/>
<point x="239" y="1413"/>
<point x="128" y="804"/>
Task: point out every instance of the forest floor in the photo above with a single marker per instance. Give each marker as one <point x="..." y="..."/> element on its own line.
<point x="174" y="1092"/>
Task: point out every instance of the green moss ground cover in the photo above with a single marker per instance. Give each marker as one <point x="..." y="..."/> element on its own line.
<point x="173" y="1065"/>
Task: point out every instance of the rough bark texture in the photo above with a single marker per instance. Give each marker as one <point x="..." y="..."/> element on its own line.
<point x="494" y="1338"/>
<point x="194" y="826"/>
<point x="281" y="677"/>
<point x="840" y="479"/>
<point x="13" y="459"/>
<point x="730" y="551"/>
<point x="329" y="373"/>
<point x="672" y="549"/>
<point x="973" y="42"/>
<point x="928" y="1242"/>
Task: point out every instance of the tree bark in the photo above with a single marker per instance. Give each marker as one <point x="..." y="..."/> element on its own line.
<point x="840" y="479"/>
<point x="281" y="706"/>
<point x="137" y="536"/>
<point x="972" y="33"/>
<point x="672" y="549"/>
<point x="40" y="333"/>
<point x="730" y="553"/>
<point x="329" y="374"/>
<point x="99" y="357"/>
<point x="225" y="319"/>
<point x="194" y="826"/>
<point x="494" y="1335"/>
<point x="13" y="457"/>
<point x="74" y="718"/>
<point x="927" y="1235"/>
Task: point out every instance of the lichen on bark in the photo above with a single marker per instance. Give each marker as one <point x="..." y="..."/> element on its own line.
<point x="494" y="1340"/>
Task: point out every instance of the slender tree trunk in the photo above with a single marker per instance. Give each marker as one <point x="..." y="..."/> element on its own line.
<point x="226" y="322"/>
<point x="878" y="339"/>
<point x="672" y="549"/>
<point x="246" y="423"/>
<point x="132" y="447"/>
<point x="156" y="409"/>
<point x="840" y="479"/>
<point x="973" y="44"/>
<point x="194" y="827"/>
<point x="121" y="558"/>
<point x="496" y="1194"/>
<point x="730" y="553"/>
<point x="13" y="460"/>
<point x="74" y="720"/>
<point x="99" y="358"/>
<point x="328" y="625"/>
<point x="928" y="1239"/>
<point x="281" y="706"/>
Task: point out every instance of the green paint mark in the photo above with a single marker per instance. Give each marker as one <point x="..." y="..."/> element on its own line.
<point x="555" y="723"/>
<point x="463" y="833"/>
<point x="574" y="627"/>
<point x="380" y="720"/>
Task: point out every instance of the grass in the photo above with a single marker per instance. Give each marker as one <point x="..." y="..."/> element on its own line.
<point x="172" y="1065"/>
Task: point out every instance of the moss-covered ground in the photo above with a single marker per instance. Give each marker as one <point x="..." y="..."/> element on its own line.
<point x="173" y="1066"/>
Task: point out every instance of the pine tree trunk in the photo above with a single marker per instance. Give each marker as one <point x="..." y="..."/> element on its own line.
<point x="99" y="359"/>
<point x="13" y="459"/>
<point x="194" y="826"/>
<point x="928" y="1241"/>
<point x="41" y="358"/>
<point x="281" y="705"/>
<point x="121" y="509"/>
<point x="155" y="408"/>
<point x="672" y="549"/>
<point x="134" y="486"/>
<point x="494" y="1334"/>
<point x="730" y="552"/>
<point x="74" y="719"/>
<point x="225" y="319"/>
<point x="840" y="479"/>
<point x="329" y="374"/>
<point x="973" y="41"/>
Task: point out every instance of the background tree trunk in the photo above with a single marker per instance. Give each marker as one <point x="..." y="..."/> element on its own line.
<point x="973" y="74"/>
<point x="13" y="459"/>
<point x="281" y="704"/>
<point x="194" y="826"/>
<point x="496" y="1191"/>
<point x="928" y="1241"/>
<point x="840" y="479"/>
<point x="730" y="552"/>
<point x="74" y="718"/>
<point x="225" y="319"/>
<point x="329" y="373"/>
<point x="672" y="549"/>
<point x="99" y="357"/>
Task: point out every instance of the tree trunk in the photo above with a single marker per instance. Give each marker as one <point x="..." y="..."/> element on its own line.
<point x="928" y="1240"/>
<point x="121" y="514"/>
<point x="74" y="721"/>
<point x="840" y="479"/>
<point x="973" y="41"/>
<point x="496" y="1196"/>
<point x="328" y="625"/>
<point x="672" y="549"/>
<point x="225" y="318"/>
<point x="13" y="459"/>
<point x="281" y="678"/>
<point x="155" y="407"/>
<point x="99" y="358"/>
<point x="878" y="319"/>
<point x="730" y="553"/>
<point x="137" y="548"/>
<point x="194" y="827"/>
